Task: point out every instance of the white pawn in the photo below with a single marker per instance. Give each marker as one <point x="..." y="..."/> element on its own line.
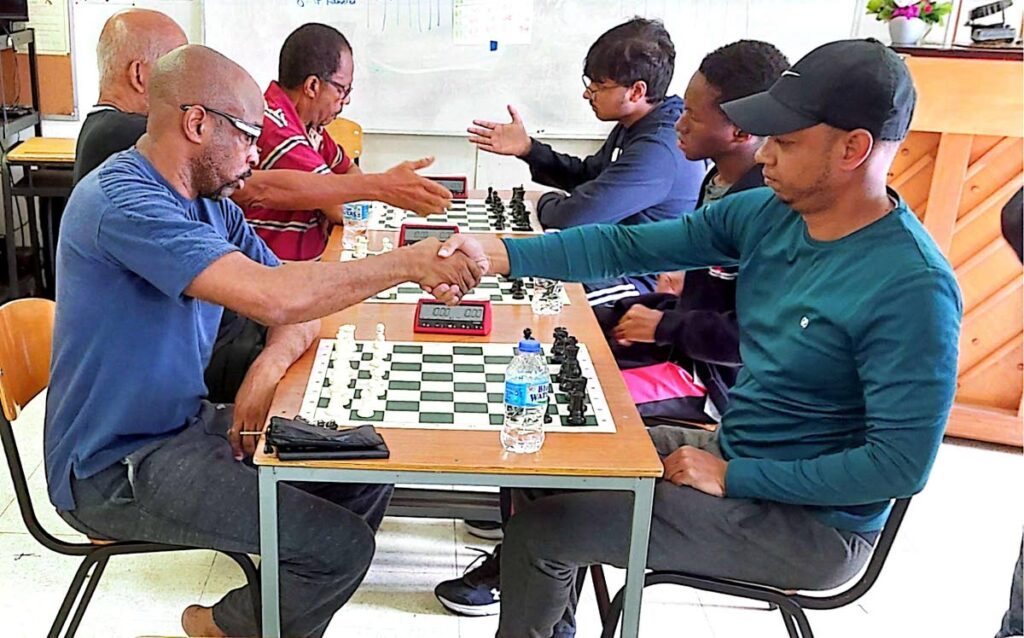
<point x="362" y="247"/>
<point x="366" y="405"/>
<point x="386" y="245"/>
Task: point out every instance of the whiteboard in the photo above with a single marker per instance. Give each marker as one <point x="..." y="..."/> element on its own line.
<point x="411" y="77"/>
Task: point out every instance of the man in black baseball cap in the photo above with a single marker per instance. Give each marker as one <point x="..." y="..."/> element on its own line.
<point x="834" y="121"/>
<point x="849" y="318"/>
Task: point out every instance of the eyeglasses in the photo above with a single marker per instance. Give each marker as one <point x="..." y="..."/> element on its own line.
<point x="589" y="87"/>
<point x="251" y="131"/>
<point x="342" y="90"/>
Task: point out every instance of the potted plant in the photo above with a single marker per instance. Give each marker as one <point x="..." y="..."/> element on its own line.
<point x="909" y="20"/>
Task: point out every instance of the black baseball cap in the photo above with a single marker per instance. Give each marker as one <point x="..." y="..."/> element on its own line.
<point x="848" y="84"/>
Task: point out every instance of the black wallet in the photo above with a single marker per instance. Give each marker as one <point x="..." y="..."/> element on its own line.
<point x="298" y="440"/>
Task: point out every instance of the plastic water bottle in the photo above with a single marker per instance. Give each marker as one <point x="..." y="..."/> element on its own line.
<point x="357" y="219"/>
<point x="527" y="381"/>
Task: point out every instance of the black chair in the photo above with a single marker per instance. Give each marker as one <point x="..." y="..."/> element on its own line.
<point x="791" y="605"/>
<point x="26" y="327"/>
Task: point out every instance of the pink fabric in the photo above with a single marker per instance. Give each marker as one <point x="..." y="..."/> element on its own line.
<point x="661" y="381"/>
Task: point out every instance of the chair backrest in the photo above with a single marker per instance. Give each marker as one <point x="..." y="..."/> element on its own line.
<point x="26" y="335"/>
<point x="349" y="135"/>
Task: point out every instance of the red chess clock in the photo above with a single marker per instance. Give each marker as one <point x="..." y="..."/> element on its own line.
<point x="471" y="318"/>
<point x="459" y="186"/>
<point x="412" y="233"/>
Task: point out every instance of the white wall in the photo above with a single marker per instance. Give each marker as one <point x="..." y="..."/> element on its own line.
<point x="454" y="154"/>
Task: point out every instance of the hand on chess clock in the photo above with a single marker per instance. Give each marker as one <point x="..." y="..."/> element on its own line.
<point x="503" y="139"/>
<point x="697" y="469"/>
<point x="638" y="325"/>
<point x="403" y="188"/>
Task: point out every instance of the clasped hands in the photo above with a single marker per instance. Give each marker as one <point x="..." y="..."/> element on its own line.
<point x="450" y="270"/>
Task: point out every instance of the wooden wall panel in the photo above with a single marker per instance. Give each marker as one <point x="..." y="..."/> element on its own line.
<point x="958" y="168"/>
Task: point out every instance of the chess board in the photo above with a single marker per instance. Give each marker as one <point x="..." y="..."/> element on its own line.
<point x="495" y="289"/>
<point x="470" y="215"/>
<point x="441" y="385"/>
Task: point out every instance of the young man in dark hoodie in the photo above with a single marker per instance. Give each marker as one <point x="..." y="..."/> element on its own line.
<point x="637" y="176"/>
<point x="708" y="302"/>
<point x="696" y="328"/>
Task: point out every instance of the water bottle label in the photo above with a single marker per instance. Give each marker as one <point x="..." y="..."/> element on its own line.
<point x="356" y="212"/>
<point x="526" y="395"/>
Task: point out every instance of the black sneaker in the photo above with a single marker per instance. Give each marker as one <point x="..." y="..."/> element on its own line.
<point x="487" y="530"/>
<point x="477" y="592"/>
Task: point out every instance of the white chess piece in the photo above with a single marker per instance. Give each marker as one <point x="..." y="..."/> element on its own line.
<point x="386" y="245"/>
<point x="366" y="405"/>
<point x="362" y="247"/>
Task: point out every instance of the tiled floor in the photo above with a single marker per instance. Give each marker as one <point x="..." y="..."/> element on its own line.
<point x="948" y="574"/>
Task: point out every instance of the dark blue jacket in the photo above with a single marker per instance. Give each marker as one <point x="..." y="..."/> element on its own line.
<point x="638" y="175"/>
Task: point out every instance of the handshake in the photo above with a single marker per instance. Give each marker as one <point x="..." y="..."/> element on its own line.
<point x="450" y="270"/>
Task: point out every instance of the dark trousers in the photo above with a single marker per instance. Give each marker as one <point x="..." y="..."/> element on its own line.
<point x="1013" y="619"/>
<point x="189" y="490"/>
<point x="552" y="535"/>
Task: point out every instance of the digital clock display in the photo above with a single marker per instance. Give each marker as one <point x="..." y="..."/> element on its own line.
<point x="468" y="318"/>
<point x="457" y="185"/>
<point x="455" y="313"/>
<point x="414" y="234"/>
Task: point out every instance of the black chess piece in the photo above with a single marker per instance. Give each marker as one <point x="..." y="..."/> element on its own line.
<point x="576" y="389"/>
<point x="518" y="290"/>
<point x="527" y="334"/>
<point x="571" y="365"/>
<point x="561" y="335"/>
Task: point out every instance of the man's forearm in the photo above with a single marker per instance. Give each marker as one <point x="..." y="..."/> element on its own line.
<point x="285" y="344"/>
<point x="298" y="190"/>
<point x="309" y="290"/>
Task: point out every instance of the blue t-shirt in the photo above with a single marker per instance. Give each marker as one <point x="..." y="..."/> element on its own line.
<point x="849" y="346"/>
<point x="129" y="347"/>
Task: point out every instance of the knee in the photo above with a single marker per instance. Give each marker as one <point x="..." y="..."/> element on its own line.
<point x="336" y="546"/>
<point x="352" y="551"/>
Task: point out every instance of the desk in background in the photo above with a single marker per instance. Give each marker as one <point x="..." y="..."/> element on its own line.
<point x="48" y="166"/>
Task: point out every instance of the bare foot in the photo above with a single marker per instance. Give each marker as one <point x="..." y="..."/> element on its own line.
<point x="197" y="620"/>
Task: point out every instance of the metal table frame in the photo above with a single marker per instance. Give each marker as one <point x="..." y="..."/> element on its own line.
<point x="271" y="475"/>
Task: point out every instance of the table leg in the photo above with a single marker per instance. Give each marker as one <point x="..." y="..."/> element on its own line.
<point x="12" y="266"/>
<point x="643" y="505"/>
<point x="268" y="553"/>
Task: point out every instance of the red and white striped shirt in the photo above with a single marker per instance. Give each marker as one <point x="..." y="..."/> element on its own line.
<point x="287" y="143"/>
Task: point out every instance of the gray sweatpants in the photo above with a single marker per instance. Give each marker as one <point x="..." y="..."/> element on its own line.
<point x="552" y="535"/>
<point x="189" y="490"/>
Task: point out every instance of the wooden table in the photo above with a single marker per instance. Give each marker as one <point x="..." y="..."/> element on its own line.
<point x="48" y="164"/>
<point x="625" y="460"/>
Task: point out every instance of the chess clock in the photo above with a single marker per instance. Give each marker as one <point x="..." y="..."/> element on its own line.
<point x="470" y="317"/>
<point x="459" y="186"/>
<point x="412" y="233"/>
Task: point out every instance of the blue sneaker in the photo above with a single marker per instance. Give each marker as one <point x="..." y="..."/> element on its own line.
<point x="477" y="592"/>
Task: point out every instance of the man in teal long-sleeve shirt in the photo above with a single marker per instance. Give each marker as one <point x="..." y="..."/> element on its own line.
<point x="849" y="320"/>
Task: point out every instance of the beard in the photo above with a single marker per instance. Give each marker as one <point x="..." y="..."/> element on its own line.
<point x="226" y="189"/>
<point x="212" y="184"/>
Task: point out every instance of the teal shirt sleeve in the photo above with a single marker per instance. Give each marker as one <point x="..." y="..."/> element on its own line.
<point x="710" y="236"/>
<point x="906" y="357"/>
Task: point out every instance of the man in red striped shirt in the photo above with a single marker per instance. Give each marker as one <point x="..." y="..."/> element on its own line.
<point x="313" y="86"/>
